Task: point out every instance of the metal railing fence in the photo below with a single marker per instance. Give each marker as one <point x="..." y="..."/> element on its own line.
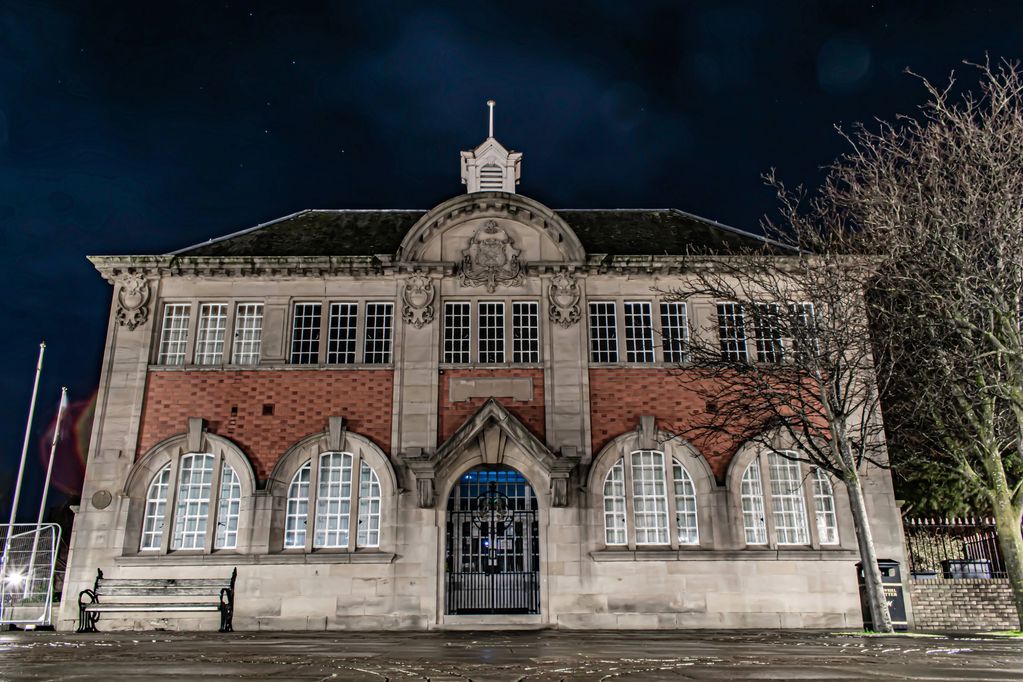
<point x="957" y="547"/>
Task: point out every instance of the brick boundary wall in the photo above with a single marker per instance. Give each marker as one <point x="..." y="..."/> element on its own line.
<point x="963" y="604"/>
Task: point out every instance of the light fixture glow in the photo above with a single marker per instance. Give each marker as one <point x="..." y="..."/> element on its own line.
<point x="15" y="579"/>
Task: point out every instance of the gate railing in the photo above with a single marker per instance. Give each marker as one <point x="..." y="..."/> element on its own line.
<point x="28" y="555"/>
<point x="511" y="592"/>
<point x="953" y="548"/>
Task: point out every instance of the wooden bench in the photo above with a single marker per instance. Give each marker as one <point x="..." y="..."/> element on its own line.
<point x="110" y="595"/>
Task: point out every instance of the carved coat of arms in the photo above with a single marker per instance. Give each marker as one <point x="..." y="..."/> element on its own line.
<point x="491" y="259"/>
<point x="132" y="300"/>
<point x="564" y="296"/>
<point x="417" y="297"/>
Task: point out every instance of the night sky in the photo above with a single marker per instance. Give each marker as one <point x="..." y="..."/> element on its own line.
<point x="143" y="127"/>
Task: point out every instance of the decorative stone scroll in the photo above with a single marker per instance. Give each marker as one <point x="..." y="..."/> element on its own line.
<point x="417" y="297"/>
<point x="132" y="301"/>
<point x="564" y="296"/>
<point x="491" y="259"/>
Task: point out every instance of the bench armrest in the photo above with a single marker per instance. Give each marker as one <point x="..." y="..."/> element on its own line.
<point x="93" y="599"/>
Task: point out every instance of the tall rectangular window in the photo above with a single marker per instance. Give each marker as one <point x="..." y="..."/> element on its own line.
<point x="491" y="332"/>
<point x="342" y="333"/>
<point x="209" y="338"/>
<point x="377" y="347"/>
<point x="731" y="331"/>
<point x="788" y="501"/>
<point x="457" y="318"/>
<point x="603" y="332"/>
<point x="767" y="332"/>
<point x="248" y="333"/>
<point x="525" y="331"/>
<point x="639" y="332"/>
<point x="334" y="500"/>
<point x="650" y="497"/>
<point x="803" y="330"/>
<point x="174" y="334"/>
<point x="674" y="331"/>
<point x="305" y="334"/>
<point x="195" y="479"/>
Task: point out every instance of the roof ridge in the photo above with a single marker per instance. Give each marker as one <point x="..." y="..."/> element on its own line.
<point x="729" y="228"/>
<point x="365" y="210"/>
<point x="238" y="233"/>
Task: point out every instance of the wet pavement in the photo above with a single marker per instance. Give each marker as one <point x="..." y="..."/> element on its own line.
<point x="543" y="655"/>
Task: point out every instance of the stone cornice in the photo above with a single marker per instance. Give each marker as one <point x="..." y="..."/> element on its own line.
<point x="112" y="267"/>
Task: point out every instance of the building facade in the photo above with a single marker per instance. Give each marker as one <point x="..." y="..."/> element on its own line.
<point x="454" y="418"/>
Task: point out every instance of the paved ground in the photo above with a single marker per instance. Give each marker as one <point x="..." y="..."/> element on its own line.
<point x="548" y="655"/>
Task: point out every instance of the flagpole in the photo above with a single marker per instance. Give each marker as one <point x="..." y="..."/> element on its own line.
<point x="53" y="449"/>
<point x="30" y="576"/>
<point x="28" y="431"/>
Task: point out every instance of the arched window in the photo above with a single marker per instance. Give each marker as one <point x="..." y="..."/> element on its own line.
<point x="298" y="508"/>
<point x="824" y="507"/>
<point x="615" y="526"/>
<point x="658" y="518"/>
<point x="685" y="506"/>
<point x="156" y="508"/>
<point x="228" y="508"/>
<point x="329" y="491"/>
<point x="786" y="502"/>
<point x="752" y="494"/>
<point x="195" y="491"/>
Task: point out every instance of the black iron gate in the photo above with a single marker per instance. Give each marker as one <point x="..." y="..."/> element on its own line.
<point x="493" y="544"/>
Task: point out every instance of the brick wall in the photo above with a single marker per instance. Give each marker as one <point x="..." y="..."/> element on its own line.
<point x="530" y="412"/>
<point x="232" y="402"/>
<point x="619" y="396"/>
<point x="963" y="605"/>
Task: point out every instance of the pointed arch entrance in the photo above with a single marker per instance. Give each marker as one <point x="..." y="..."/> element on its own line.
<point x="492" y="555"/>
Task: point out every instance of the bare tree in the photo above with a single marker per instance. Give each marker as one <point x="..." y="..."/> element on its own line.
<point x="790" y="358"/>
<point x="940" y="198"/>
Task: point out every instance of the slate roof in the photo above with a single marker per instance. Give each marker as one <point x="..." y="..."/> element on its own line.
<point x="615" y="232"/>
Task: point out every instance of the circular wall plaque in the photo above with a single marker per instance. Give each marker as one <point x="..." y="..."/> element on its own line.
<point x="101" y="499"/>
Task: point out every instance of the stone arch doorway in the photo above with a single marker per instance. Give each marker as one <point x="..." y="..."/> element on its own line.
<point x="492" y="557"/>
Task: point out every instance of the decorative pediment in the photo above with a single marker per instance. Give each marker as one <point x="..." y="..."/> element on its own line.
<point x="508" y="210"/>
<point x="491" y="429"/>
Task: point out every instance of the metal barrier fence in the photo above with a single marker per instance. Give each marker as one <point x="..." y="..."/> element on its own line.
<point x="28" y="554"/>
<point x="953" y="548"/>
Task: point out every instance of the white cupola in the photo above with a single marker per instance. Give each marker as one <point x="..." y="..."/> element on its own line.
<point x="490" y="167"/>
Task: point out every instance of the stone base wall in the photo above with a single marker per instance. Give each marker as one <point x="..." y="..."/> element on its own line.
<point x="963" y="605"/>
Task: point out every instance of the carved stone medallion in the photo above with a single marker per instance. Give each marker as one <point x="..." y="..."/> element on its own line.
<point x="132" y="301"/>
<point x="564" y="296"/>
<point x="417" y="297"/>
<point x="491" y="259"/>
<point x="101" y="499"/>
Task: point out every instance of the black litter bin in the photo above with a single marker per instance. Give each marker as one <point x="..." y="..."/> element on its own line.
<point x="891" y="579"/>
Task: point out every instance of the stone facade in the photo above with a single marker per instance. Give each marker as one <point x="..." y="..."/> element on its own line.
<point x="963" y="604"/>
<point x="414" y="419"/>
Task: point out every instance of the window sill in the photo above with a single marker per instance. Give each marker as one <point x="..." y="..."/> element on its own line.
<point x="697" y="554"/>
<point x="487" y="366"/>
<point x="261" y="559"/>
<point x="264" y="368"/>
<point x="622" y="364"/>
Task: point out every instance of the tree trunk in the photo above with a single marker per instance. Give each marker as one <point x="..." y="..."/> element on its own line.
<point x="1007" y="526"/>
<point x="876" y="599"/>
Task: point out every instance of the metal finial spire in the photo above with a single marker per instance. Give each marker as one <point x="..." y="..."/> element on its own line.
<point x="491" y="103"/>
